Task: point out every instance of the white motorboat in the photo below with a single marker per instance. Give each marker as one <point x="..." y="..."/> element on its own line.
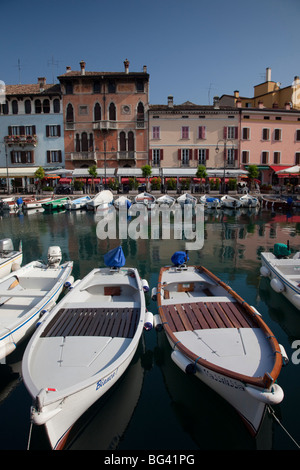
<point x="210" y="202"/>
<point x="187" y="198"/>
<point x="230" y="202"/>
<point x="10" y="259"/>
<point x="77" y="204"/>
<point x="166" y="200"/>
<point x="145" y="198"/>
<point x="26" y="294"/>
<point x="283" y="270"/>
<point x="102" y="200"/>
<point x="218" y="337"/>
<point x="122" y="201"/>
<point x="249" y="201"/>
<point x="35" y="203"/>
<point x="84" y="346"/>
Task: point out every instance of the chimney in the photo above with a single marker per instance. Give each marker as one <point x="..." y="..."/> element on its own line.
<point x="68" y="68"/>
<point x="238" y="103"/>
<point x="287" y="106"/>
<point x="82" y="66"/>
<point x="268" y="74"/>
<point x="216" y="102"/>
<point x="145" y="69"/>
<point x="170" y="101"/>
<point x="236" y="94"/>
<point x="126" y="65"/>
<point x="42" y="83"/>
<point x="260" y="105"/>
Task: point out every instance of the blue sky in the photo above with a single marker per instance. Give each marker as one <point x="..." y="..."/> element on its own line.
<point x="193" y="49"/>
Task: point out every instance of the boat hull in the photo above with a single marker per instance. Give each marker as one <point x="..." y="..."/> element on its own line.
<point x="218" y="337"/>
<point x="24" y="323"/>
<point x="68" y="410"/>
<point x="287" y="286"/>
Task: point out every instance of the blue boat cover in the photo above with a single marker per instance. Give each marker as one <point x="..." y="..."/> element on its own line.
<point x="115" y="258"/>
<point x="179" y="257"/>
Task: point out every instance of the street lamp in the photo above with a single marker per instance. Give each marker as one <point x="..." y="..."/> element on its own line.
<point x="225" y="142"/>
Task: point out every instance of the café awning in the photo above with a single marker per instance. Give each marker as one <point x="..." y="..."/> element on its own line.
<point x="18" y="172"/>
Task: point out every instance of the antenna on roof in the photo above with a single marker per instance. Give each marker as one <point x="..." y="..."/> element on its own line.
<point x="53" y="63"/>
<point x="19" y="68"/>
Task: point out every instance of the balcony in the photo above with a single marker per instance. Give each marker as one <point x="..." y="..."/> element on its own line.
<point x="126" y="155"/>
<point x="104" y="125"/>
<point x="21" y="140"/>
<point x="83" y="156"/>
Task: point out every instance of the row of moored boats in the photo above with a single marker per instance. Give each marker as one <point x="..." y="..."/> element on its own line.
<point x="82" y="342"/>
<point x="105" y="199"/>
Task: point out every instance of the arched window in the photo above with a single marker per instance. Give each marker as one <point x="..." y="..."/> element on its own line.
<point x="97" y="112"/>
<point x="84" y="142"/>
<point x="14" y="107"/>
<point x="140" y="112"/>
<point x="130" y="141"/>
<point x="56" y="105"/>
<point x="27" y="106"/>
<point x="46" y="106"/>
<point x="112" y="112"/>
<point x="38" y="106"/>
<point x="70" y="113"/>
<point x="122" y="142"/>
<point x="5" y="107"/>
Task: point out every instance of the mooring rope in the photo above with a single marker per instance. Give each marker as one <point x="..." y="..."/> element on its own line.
<point x="272" y="412"/>
<point x="29" y="437"/>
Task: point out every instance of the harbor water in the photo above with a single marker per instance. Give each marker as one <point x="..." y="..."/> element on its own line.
<point x="155" y="406"/>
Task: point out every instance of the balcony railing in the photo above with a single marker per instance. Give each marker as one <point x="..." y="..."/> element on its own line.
<point x="126" y="155"/>
<point x="104" y="125"/>
<point x="83" y="156"/>
<point x="21" y="140"/>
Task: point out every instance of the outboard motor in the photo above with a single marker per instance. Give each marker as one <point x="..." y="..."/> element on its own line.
<point x="54" y="256"/>
<point x="6" y="245"/>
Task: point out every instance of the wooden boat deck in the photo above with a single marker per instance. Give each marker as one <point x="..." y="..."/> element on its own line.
<point x="205" y="315"/>
<point x="113" y="322"/>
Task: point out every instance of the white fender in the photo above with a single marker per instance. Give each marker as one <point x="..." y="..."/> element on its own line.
<point x="277" y="285"/>
<point x="285" y="358"/>
<point x="75" y="284"/>
<point x="183" y="362"/>
<point x="6" y="349"/>
<point x="264" y="271"/>
<point x="69" y="282"/>
<point x="271" y="396"/>
<point x="40" y="418"/>
<point x="154" y="294"/>
<point x="145" y="285"/>
<point x="148" y="325"/>
<point x="157" y="322"/>
<point x="15" y="266"/>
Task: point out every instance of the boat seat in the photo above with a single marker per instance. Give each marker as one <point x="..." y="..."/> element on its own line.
<point x="204" y="315"/>
<point x="110" y="322"/>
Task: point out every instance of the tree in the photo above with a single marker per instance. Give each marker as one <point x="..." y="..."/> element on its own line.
<point x="93" y="174"/>
<point x="253" y="172"/>
<point x="40" y="175"/>
<point x="201" y="172"/>
<point x="147" y="170"/>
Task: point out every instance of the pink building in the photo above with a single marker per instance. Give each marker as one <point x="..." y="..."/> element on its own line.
<point x="270" y="139"/>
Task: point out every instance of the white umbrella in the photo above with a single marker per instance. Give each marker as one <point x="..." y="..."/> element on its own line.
<point x="290" y="171"/>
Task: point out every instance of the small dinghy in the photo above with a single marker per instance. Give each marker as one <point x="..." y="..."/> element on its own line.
<point x="166" y="200"/>
<point x="26" y="294"/>
<point x="145" y="198"/>
<point x="283" y="272"/>
<point x="35" y="203"/>
<point x="77" y="204"/>
<point x="218" y="337"/>
<point x="10" y="259"/>
<point x="84" y="346"/>
<point x="229" y="202"/>
<point x="55" y="204"/>
<point x="102" y="200"/>
<point x="210" y="202"/>
<point x="122" y="201"/>
<point x="187" y="198"/>
<point x="249" y="201"/>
